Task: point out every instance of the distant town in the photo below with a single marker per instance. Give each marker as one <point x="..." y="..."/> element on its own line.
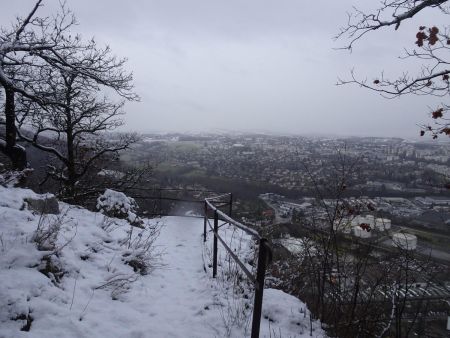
<point x="385" y="165"/>
<point x="279" y="179"/>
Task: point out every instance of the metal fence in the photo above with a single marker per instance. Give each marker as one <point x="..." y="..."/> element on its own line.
<point x="171" y="201"/>
<point x="213" y="204"/>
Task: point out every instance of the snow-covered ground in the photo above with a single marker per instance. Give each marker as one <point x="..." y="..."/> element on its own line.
<point x="91" y="286"/>
<point x="292" y="244"/>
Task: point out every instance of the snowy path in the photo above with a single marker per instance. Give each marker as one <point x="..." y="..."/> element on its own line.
<point x="179" y="292"/>
<point x="175" y="300"/>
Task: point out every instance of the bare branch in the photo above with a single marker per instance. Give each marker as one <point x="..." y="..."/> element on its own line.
<point x="432" y="51"/>
<point x="27" y="20"/>
<point x="360" y="23"/>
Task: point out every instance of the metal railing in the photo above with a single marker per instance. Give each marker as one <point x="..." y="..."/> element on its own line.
<point x="213" y="204"/>
<point x="264" y="253"/>
<point x="165" y="201"/>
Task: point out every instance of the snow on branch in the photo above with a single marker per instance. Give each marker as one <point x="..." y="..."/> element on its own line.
<point x="360" y="23"/>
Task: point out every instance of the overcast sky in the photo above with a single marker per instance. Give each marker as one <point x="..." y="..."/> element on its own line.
<point x="249" y="65"/>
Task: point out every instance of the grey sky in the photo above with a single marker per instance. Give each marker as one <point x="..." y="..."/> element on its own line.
<point x="248" y="65"/>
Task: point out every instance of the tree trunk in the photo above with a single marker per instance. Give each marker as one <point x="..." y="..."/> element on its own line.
<point x="72" y="176"/>
<point x="71" y="169"/>
<point x="16" y="153"/>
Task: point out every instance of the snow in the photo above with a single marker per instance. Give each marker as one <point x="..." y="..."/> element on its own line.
<point x="12" y="178"/>
<point x="117" y="204"/>
<point x="91" y="290"/>
<point x="111" y="173"/>
<point x="286" y="314"/>
<point x="292" y="244"/>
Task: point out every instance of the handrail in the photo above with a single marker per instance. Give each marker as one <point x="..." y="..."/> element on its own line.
<point x="227" y="194"/>
<point x="264" y="254"/>
<point x="230" y="220"/>
<point x="213" y="203"/>
<point x="161" y="195"/>
<point x="234" y="256"/>
<point x="167" y="199"/>
<point x="175" y="189"/>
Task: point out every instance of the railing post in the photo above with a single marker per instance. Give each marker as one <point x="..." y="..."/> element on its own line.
<point x="259" y="287"/>
<point x="231" y="205"/>
<point x="205" y="219"/>
<point x="160" y="202"/>
<point x="216" y="229"/>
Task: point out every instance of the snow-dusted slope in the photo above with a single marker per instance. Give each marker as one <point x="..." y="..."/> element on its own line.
<point x="89" y="290"/>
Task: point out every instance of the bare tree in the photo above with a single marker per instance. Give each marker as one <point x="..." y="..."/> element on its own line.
<point x="356" y="286"/>
<point x="432" y="50"/>
<point x="76" y="126"/>
<point x="33" y="50"/>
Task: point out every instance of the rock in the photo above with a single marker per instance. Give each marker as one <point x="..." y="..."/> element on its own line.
<point x="45" y="204"/>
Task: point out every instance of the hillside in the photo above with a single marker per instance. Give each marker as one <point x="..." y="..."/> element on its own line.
<point x="82" y="274"/>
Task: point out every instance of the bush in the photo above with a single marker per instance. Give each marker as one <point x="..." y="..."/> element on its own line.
<point x="116" y="204"/>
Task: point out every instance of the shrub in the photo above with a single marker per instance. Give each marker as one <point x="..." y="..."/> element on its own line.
<point x="116" y="204"/>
